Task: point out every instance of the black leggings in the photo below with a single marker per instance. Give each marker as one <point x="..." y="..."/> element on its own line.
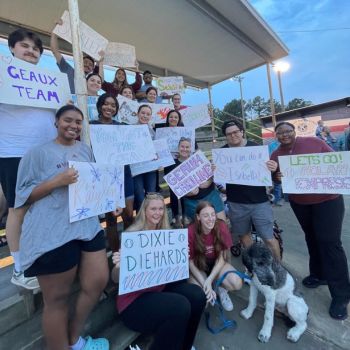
<point x="322" y="225"/>
<point x="172" y="315"/>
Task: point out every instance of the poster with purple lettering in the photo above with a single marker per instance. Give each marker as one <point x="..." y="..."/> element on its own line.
<point x="196" y="116"/>
<point x="242" y="165"/>
<point x="316" y="173"/>
<point x="159" y="112"/>
<point x="152" y="258"/>
<point x="127" y="110"/>
<point x="173" y="136"/>
<point x="170" y="85"/>
<point x="99" y="189"/>
<point x="121" y="144"/>
<point x="91" y="41"/>
<point x="189" y="174"/>
<point x="164" y="158"/>
<point x="25" y="84"/>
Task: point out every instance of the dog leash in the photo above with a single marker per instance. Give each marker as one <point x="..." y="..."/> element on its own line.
<point x="226" y="323"/>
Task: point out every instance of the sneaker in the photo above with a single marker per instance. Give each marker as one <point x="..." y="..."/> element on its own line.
<point x="338" y="310"/>
<point x="313" y="282"/>
<point x="225" y="299"/>
<point x="96" y="344"/>
<point x="25" y="282"/>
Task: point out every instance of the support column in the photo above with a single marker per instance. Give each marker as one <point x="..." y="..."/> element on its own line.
<point x="272" y="105"/>
<point x="211" y="114"/>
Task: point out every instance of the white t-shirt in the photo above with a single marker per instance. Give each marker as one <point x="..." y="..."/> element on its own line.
<point x="22" y="128"/>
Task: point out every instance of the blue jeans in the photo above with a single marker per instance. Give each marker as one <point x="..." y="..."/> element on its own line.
<point x="277" y="192"/>
<point x="143" y="184"/>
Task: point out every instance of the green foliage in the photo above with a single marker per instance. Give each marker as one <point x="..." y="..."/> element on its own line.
<point x="297" y="103"/>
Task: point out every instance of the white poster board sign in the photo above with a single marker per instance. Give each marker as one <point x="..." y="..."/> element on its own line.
<point x="121" y="144"/>
<point x="164" y="158"/>
<point x="170" y="85"/>
<point x="99" y="189"/>
<point x="120" y="54"/>
<point x="159" y="111"/>
<point x="189" y="174"/>
<point x="91" y="41"/>
<point x="127" y="110"/>
<point x="242" y="165"/>
<point x="152" y="258"/>
<point x="196" y="116"/>
<point x="91" y="106"/>
<point x="25" y="84"/>
<point x="316" y="173"/>
<point x="173" y="136"/>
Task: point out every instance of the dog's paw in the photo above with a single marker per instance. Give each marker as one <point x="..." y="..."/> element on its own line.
<point x="264" y="336"/>
<point x="293" y="335"/>
<point x="246" y="314"/>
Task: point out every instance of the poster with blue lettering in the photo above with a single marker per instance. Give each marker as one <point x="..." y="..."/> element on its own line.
<point x="163" y="159"/>
<point x="99" y="189"/>
<point x="152" y="258"/>
<point x="196" y="116"/>
<point x="25" y="84"/>
<point x="91" y="106"/>
<point x="242" y="165"/>
<point x="121" y="144"/>
<point x="189" y="174"/>
<point x="173" y="136"/>
<point x="316" y="173"/>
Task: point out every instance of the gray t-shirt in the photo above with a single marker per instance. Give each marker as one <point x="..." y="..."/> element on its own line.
<point x="46" y="224"/>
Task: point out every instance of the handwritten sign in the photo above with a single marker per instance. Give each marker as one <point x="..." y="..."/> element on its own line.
<point x="120" y="54"/>
<point x="91" y="41"/>
<point x="152" y="258"/>
<point x="316" y="173"/>
<point x="91" y="106"/>
<point x="164" y="158"/>
<point x="100" y="189"/>
<point x="173" y="136"/>
<point x="25" y="84"/>
<point x="242" y="166"/>
<point x="170" y="85"/>
<point x="196" y="116"/>
<point x="121" y="144"/>
<point x="127" y="110"/>
<point x="189" y="174"/>
<point x="159" y="111"/>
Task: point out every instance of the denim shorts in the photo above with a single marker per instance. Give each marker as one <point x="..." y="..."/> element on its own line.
<point x="242" y="216"/>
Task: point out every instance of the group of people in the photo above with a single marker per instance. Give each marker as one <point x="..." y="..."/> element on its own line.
<point x="340" y="143"/>
<point x="35" y="148"/>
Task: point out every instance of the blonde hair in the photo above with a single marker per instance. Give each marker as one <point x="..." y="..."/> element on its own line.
<point x="140" y="222"/>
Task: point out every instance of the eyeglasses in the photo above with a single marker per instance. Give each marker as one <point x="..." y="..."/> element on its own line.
<point x="234" y="133"/>
<point x="285" y="132"/>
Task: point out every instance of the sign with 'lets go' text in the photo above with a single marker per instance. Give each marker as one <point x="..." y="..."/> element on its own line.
<point x="242" y="166"/>
<point x="25" y="84"/>
<point x="316" y="173"/>
<point x="99" y="189"/>
<point x="152" y="258"/>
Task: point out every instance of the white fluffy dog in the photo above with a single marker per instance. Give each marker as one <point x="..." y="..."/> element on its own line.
<point x="277" y="285"/>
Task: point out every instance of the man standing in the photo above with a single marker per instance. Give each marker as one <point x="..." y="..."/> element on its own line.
<point x="249" y="204"/>
<point x="147" y="79"/>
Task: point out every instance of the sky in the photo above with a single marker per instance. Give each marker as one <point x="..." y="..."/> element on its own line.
<point x="319" y="58"/>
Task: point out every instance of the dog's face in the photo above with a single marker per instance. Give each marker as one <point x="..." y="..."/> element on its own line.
<point x="258" y="259"/>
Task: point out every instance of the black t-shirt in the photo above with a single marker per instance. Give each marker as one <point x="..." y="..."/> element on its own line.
<point x="243" y="193"/>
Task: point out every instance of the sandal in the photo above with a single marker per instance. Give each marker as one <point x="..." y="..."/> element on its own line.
<point x="3" y="241"/>
<point x="96" y="344"/>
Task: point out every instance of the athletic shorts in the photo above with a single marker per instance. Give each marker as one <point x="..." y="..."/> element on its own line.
<point x="242" y="216"/>
<point x="8" y="178"/>
<point x="65" y="257"/>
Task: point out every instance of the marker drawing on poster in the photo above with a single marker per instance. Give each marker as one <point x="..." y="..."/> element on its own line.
<point x="159" y="111"/>
<point x="25" y="84"/>
<point x="196" y="116"/>
<point x="121" y="144"/>
<point x="120" y="55"/>
<point x="316" y="173"/>
<point x="127" y="110"/>
<point x="163" y="159"/>
<point x="189" y="174"/>
<point x="91" y="41"/>
<point x="242" y="166"/>
<point x="99" y="189"/>
<point x="173" y="136"/>
<point x="170" y="85"/>
<point x="152" y="258"/>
